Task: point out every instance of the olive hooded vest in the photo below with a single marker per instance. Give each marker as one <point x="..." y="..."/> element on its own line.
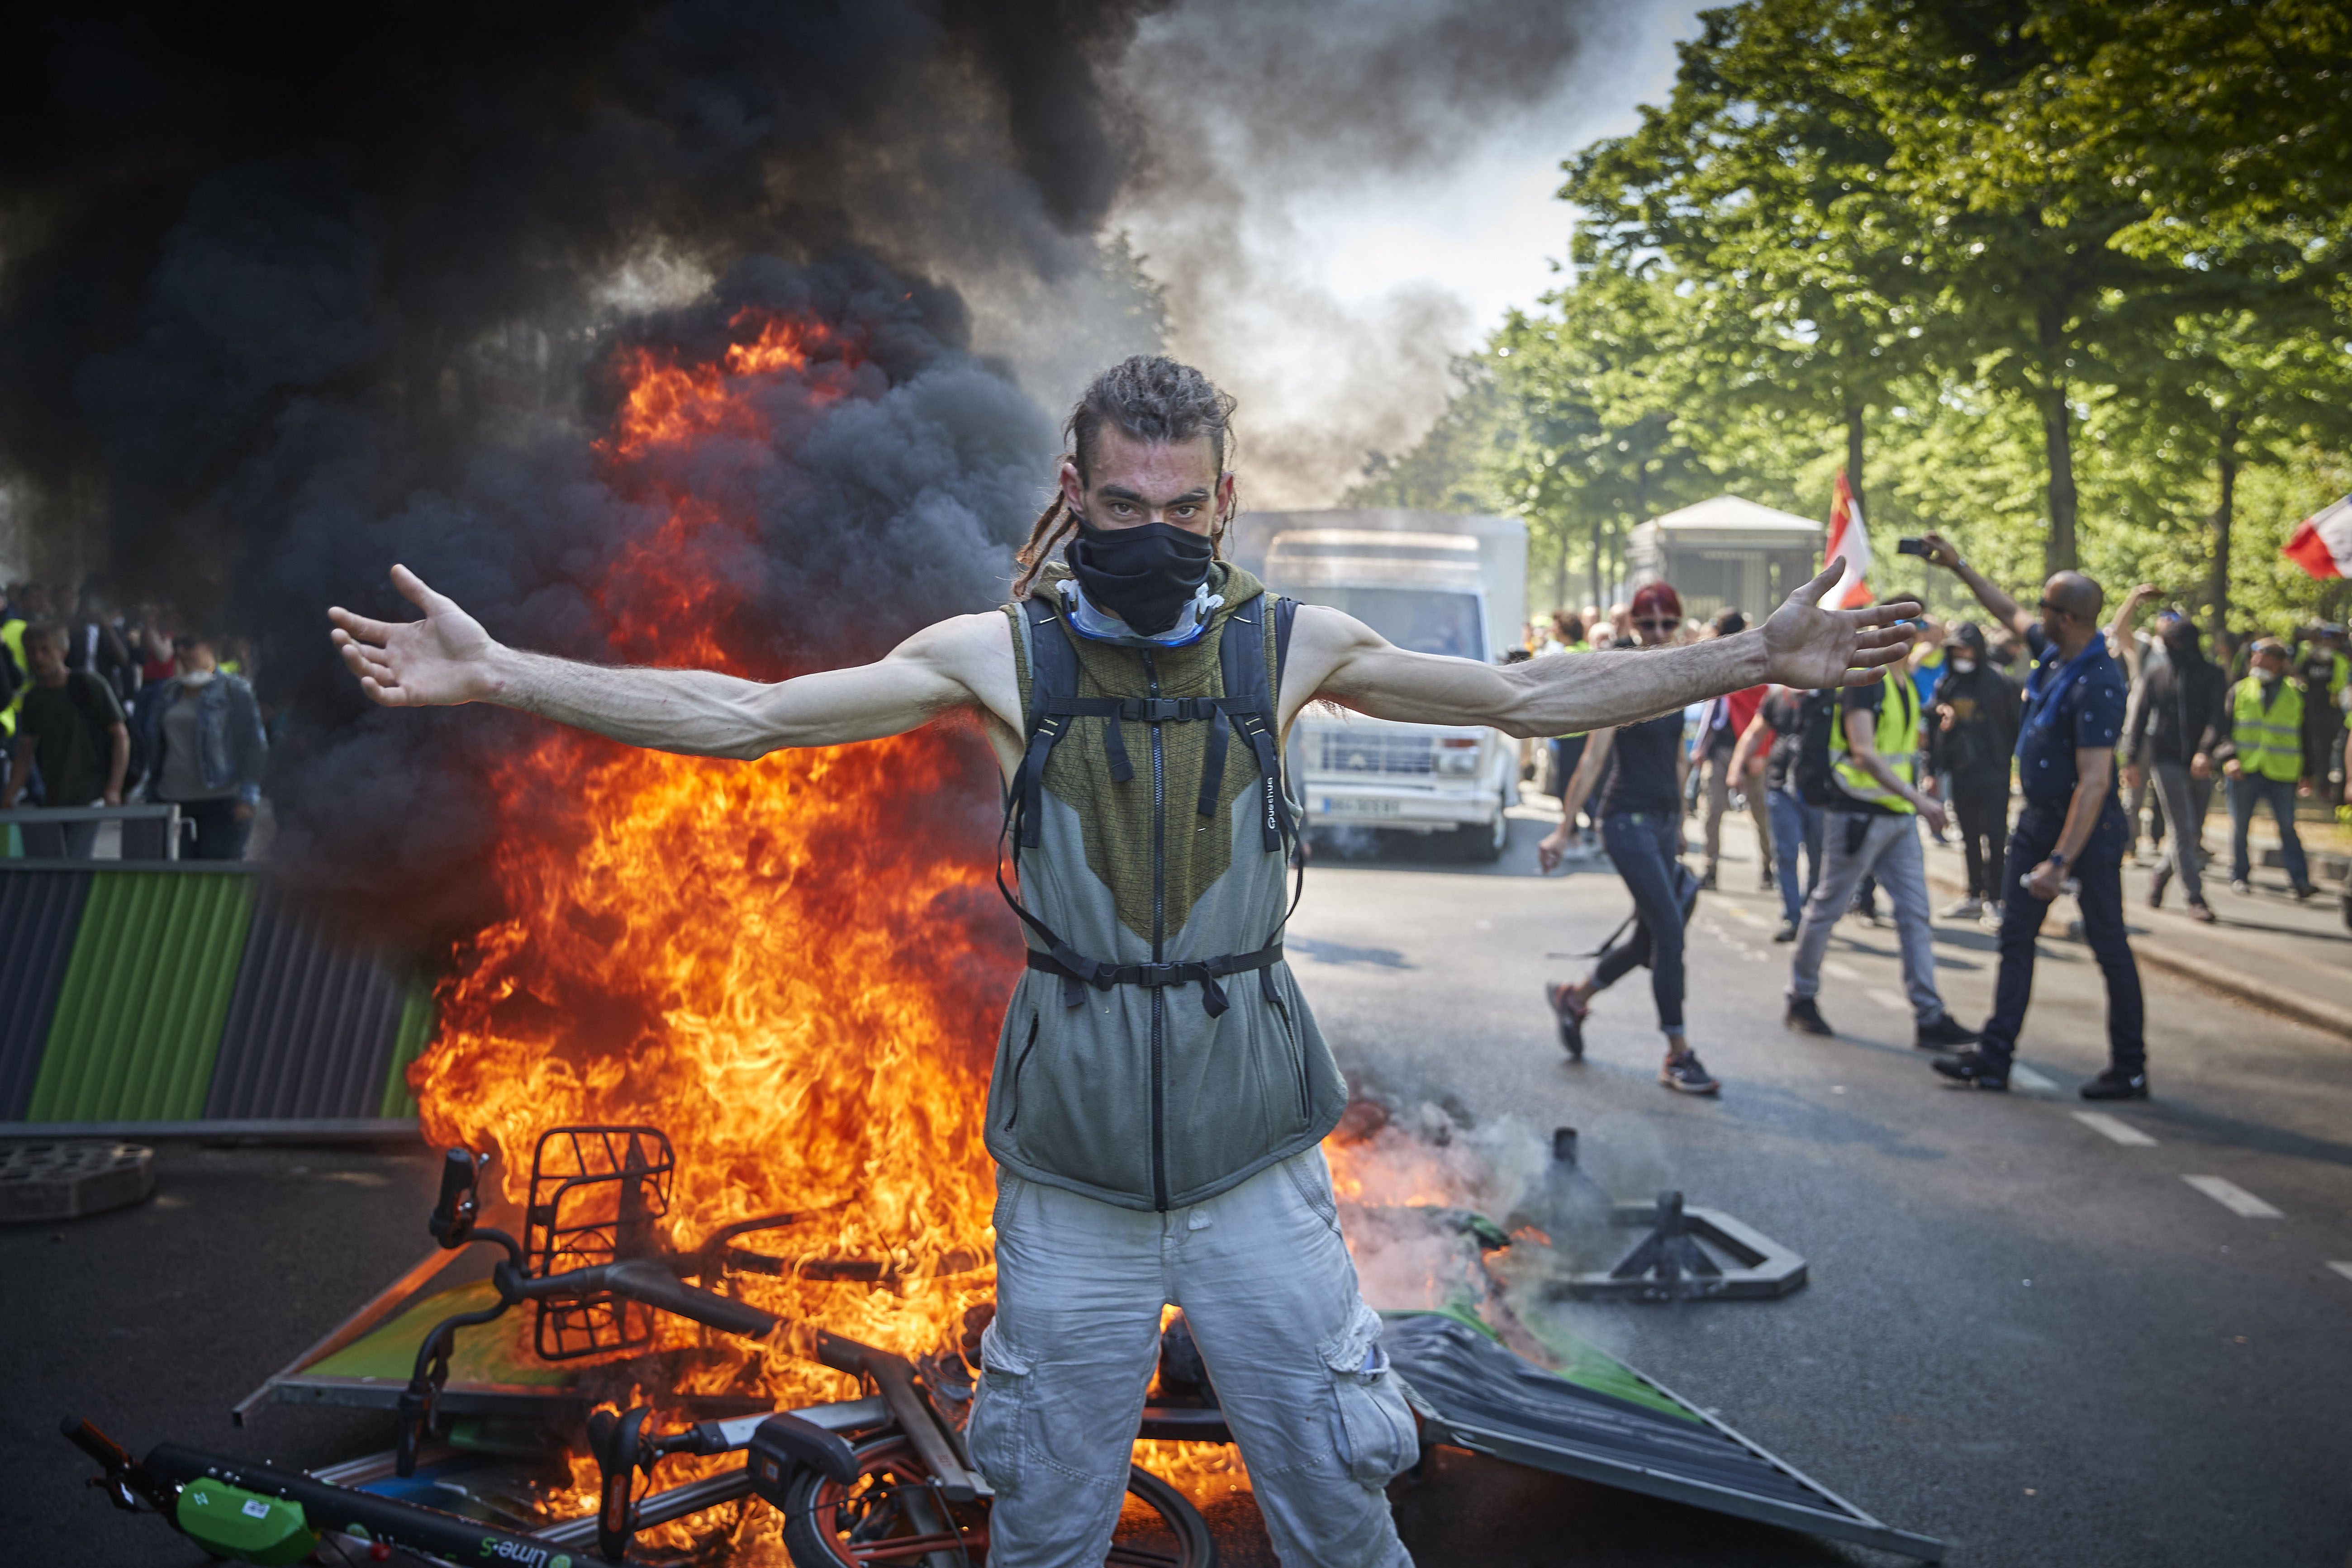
<point x="1157" y="1050"/>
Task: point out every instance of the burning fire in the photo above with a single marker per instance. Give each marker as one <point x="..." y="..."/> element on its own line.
<point x="794" y="967"/>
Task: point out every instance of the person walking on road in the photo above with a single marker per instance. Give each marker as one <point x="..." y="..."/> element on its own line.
<point x="1642" y="833"/>
<point x="1161" y="1137"/>
<point x="1725" y="721"/>
<point x="2072" y="825"/>
<point x="2262" y="760"/>
<point x="1871" y="828"/>
<point x="1971" y="741"/>
<point x="1779" y="725"/>
<point x="2179" y="718"/>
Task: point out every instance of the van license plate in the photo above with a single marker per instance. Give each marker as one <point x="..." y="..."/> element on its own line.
<point x="1357" y="806"/>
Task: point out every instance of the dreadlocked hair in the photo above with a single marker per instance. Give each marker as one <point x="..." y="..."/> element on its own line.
<point x="1150" y="398"/>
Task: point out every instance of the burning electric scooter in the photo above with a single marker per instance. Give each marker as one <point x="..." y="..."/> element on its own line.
<point x="882" y="1478"/>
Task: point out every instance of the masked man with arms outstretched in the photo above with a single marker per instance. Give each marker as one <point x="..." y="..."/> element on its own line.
<point x="1160" y="1091"/>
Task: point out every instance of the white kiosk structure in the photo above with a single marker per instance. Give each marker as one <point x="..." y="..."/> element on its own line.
<point x="1727" y="553"/>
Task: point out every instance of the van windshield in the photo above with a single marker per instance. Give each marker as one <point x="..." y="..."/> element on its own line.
<point x="1423" y="620"/>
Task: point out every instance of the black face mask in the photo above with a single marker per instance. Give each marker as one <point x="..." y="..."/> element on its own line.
<point x="1145" y="575"/>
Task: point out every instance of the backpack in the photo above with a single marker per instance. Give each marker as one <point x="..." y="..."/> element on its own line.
<point x="1814" y="775"/>
<point x="1246" y="713"/>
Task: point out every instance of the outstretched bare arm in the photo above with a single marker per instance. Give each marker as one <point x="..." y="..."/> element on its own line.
<point x="448" y="658"/>
<point x="1337" y="656"/>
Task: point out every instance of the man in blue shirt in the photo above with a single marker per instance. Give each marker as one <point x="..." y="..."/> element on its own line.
<point x="2072" y="825"/>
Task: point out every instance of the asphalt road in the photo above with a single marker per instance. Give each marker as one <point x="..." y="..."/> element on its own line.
<point x="2021" y="1335"/>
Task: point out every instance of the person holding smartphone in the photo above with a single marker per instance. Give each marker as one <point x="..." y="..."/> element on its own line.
<point x="2071" y="827"/>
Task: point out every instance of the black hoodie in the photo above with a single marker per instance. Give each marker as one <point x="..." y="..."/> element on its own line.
<point x="2181" y="709"/>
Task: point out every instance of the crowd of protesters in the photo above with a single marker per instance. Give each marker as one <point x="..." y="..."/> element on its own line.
<point x="103" y="706"/>
<point x="2051" y="740"/>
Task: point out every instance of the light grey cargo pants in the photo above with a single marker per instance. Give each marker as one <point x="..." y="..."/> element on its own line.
<point x="1271" y="1295"/>
<point x="1886" y="845"/>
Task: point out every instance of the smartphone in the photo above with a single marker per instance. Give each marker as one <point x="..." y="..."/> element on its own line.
<point x="1911" y="547"/>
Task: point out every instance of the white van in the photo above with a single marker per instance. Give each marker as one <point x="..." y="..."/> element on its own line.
<point x="1422" y="591"/>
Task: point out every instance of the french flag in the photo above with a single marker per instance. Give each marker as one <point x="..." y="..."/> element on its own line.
<point x="2322" y="544"/>
<point x="1849" y="542"/>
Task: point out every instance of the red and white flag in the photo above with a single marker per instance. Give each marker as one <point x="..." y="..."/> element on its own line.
<point x="1849" y="542"/>
<point x="2322" y="544"/>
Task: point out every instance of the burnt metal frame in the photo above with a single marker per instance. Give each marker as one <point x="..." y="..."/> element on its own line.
<point x="637" y="1162"/>
<point x="1668" y="1265"/>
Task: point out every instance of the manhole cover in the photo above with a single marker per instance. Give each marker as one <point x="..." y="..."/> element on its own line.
<point x="66" y="1180"/>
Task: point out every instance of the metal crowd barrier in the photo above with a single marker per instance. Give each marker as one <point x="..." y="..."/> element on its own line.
<point x="149" y="832"/>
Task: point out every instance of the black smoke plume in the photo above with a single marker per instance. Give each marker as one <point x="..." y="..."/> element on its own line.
<point x="288" y="292"/>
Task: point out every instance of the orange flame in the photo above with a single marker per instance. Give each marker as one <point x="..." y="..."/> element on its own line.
<point x="794" y="967"/>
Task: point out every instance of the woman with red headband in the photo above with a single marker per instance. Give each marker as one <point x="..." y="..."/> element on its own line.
<point x="1640" y="815"/>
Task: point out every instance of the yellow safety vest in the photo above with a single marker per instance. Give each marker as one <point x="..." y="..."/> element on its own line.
<point x="1896" y="742"/>
<point x="13" y="636"/>
<point x="2269" y="740"/>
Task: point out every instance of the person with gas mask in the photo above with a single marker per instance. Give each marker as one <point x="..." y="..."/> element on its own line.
<point x="1969" y="739"/>
<point x="1160" y="1090"/>
<point x="2178" y="720"/>
<point x="205" y="750"/>
<point x="2263" y="758"/>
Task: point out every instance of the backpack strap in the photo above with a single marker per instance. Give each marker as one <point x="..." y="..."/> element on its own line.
<point x="1248" y="703"/>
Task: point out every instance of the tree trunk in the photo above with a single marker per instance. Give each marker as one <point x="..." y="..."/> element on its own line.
<point x="2057" y="438"/>
<point x="1853" y="451"/>
<point x="1560" y="573"/>
<point x="2225" y="464"/>
<point x="2058" y="441"/>
<point x="1598" y="593"/>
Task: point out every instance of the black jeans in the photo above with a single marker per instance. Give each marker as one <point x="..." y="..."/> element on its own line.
<point x="219" y="835"/>
<point x="2101" y="872"/>
<point x="1981" y="806"/>
<point x="1646" y="849"/>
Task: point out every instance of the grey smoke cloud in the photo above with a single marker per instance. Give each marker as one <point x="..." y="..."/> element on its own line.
<point x="1257" y="117"/>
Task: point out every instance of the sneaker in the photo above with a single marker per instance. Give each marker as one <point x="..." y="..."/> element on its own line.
<point x="1570" y="1014"/>
<point x="1943" y="1034"/>
<point x="2115" y="1084"/>
<point x="1765" y="882"/>
<point x="2240" y="885"/>
<point x="2157" y="884"/>
<point x="1788" y="931"/>
<point x="1974" y="1070"/>
<point x="1706" y="883"/>
<point x="1965" y="909"/>
<point x="1804" y="1015"/>
<point x="2302" y="893"/>
<point x="1684" y="1075"/>
<point x="1991" y="918"/>
<point x="2199" y="910"/>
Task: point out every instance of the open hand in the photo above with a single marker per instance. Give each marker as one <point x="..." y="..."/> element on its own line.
<point x="444" y="659"/>
<point x="1807" y="646"/>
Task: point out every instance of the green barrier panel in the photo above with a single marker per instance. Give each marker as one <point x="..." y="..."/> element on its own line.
<point x="416" y="1033"/>
<point x="138" y="1023"/>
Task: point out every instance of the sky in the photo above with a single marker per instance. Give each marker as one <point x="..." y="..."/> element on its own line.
<point x="1330" y="292"/>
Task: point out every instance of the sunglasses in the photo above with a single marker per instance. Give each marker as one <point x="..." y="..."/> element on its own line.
<point x="1667" y="623"/>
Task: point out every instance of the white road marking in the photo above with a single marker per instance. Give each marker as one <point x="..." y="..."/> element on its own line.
<point x="2343" y="1269"/>
<point x="2025" y="1078"/>
<point x="1739" y="912"/>
<point x="1887" y="999"/>
<point x="1837" y="971"/>
<point x="2114" y="1127"/>
<point x="2233" y="1197"/>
